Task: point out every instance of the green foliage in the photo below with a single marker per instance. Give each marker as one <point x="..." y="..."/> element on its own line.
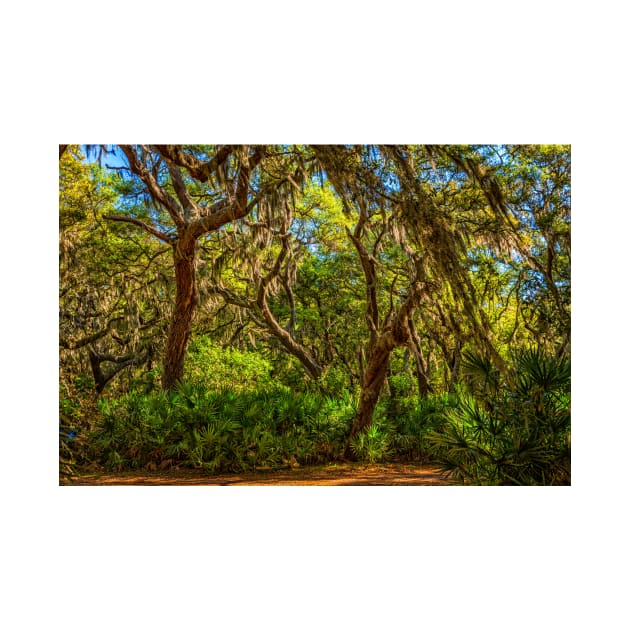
<point x="221" y="431"/>
<point x="401" y="429"/>
<point x="111" y="283"/>
<point x="372" y="445"/>
<point x="77" y="410"/>
<point x="216" y="367"/>
<point x="481" y="372"/>
<point x="323" y="218"/>
<point x="334" y="382"/>
<point x="518" y="435"/>
<point x="411" y="420"/>
<point x="400" y="384"/>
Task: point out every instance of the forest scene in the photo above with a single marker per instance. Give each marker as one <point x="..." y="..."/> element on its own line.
<point x="315" y="314"/>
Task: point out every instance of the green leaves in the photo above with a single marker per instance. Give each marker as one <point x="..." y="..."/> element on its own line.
<point x="521" y="437"/>
<point x="372" y="446"/>
<point x="221" y="431"/>
<point x="216" y="367"/>
<point x="541" y="373"/>
<point x="481" y="371"/>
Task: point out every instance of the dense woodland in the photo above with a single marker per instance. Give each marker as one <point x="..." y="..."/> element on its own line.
<point x="237" y="308"/>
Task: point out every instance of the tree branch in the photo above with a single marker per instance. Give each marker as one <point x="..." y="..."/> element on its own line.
<point x="155" y="190"/>
<point x="67" y="345"/>
<point x="226" y="211"/>
<point x="100" y="377"/>
<point x="145" y="226"/>
<point x="286" y="339"/>
<point x="191" y="210"/>
<point x="199" y="170"/>
<point x="369" y="271"/>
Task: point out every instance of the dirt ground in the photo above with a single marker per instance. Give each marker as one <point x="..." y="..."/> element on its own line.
<point x="341" y="474"/>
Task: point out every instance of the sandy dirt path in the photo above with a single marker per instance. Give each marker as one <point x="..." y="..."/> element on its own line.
<point x="341" y="474"/>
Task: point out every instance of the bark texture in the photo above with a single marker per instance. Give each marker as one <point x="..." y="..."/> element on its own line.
<point x="186" y="300"/>
<point x="373" y="381"/>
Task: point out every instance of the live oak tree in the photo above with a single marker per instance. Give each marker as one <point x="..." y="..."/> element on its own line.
<point x="365" y="193"/>
<point x="400" y="204"/>
<point x="227" y="173"/>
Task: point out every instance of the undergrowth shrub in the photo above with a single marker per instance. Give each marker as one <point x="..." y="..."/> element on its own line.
<point x="411" y="420"/>
<point x="510" y="430"/>
<point x="506" y="429"/>
<point x="221" y="431"/>
<point x="400" y="429"/>
<point x="77" y="413"/>
<point x="233" y="431"/>
<point x="372" y="445"/>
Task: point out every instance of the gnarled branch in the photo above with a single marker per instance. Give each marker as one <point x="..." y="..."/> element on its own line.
<point x="145" y="226"/>
<point x="198" y="169"/>
<point x="155" y="190"/>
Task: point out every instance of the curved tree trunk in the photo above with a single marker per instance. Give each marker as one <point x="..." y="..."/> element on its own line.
<point x="285" y="336"/>
<point x="395" y="333"/>
<point x="186" y="301"/>
<point x="311" y="366"/>
<point x="373" y="381"/>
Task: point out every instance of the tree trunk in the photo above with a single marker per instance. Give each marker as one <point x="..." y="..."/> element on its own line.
<point x="185" y="303"/>
<point x="424" y="386"/>
<point x="370" y="392"/>
<point x="374" y="378"/>
<point x="395" y="333"/>
<point x="454" y="366"/>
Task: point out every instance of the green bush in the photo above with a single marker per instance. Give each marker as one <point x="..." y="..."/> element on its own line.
<point x="401" y="428"/>
<point x="215" y="367"/>
<point x="514" y="429"/>
<point x="412" y="420"/>
<point x="373" y="445"/>
<point x="221" y="431"/>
